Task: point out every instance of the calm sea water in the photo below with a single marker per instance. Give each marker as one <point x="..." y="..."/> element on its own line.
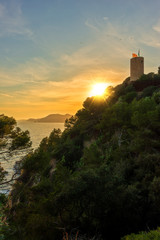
<point x="38" y="131"/>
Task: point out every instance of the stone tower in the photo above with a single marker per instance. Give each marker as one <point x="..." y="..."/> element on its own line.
<point x="136" y="67"/>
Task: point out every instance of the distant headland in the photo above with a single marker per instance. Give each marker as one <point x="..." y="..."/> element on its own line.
<point x="56" y="118"/>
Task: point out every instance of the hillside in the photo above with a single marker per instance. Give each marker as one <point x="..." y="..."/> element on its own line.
<point x="57" y="118"/>
<point x="100" y="177"/>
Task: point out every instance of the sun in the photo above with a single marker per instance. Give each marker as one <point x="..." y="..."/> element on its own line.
<point x="98" y="89"/>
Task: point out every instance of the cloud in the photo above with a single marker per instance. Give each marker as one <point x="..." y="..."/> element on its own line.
<point x="68" y="95"/>
<point x="150" y="38"/>
<point x="152" y="42"/>
<point x="105" y="18"/>
<point x="82" y="57"/>
<point x="12" y="20"/>
<point x="156" y="27"/>
<point x="90" y="25"/>
<point x="31" y="72"/>
<point x="62" y="84"/>
<point x="5" y="95"/>
<point x="36" y="70"/>
<point x="112" y="38"/>
<point x="72" y="89"/>
<point x="101" y="57"/>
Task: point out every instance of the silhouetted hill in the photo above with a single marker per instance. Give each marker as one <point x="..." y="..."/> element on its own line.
<point x="51" y="118"/>
<point x="101" y="175"/>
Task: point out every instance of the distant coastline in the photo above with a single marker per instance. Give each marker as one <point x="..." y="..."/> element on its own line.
<point x="52" y="118"/>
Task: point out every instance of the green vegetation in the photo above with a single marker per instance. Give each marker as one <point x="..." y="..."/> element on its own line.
<point x="7" y="128"/>
<point x="6" y="125"/>
<point x="151" y="235"/>
<point x="3" y="200"/>
<point x="20" y="139"/>
<point x="100" y="177"/>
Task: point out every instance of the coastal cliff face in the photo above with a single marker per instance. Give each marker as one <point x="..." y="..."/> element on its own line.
<point x="100" y="176"/>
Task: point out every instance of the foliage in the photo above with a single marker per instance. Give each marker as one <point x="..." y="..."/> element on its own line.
<point x="2" y="173"/>
<point x="21" y="139"/>
<point x="147" y="92"/>
<point x="100" y="176"/>
<point x="147" y="80"/>
<point x="6" y="125"/>
<point x="151" y="235"/>
<point x="3" y="200"/>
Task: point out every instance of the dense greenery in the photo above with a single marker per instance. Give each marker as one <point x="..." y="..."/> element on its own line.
<point x="20" y="139"/>
<point x="100" y="176"/>
<point x="7" y="128"/>
<point x="6" y="125"/>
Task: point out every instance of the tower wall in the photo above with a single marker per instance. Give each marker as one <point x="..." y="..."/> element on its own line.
<point x="136" y="68"/>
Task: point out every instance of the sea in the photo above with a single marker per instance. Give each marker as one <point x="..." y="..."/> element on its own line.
<point x="38" y="131"/>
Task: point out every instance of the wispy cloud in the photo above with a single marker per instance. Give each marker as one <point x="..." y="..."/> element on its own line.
<point x="91" y="25"/>
<point x="81" y="57"/>
<point x="31" y="72"/>
<point x="12" y="20"/>
<point x="37" y="69"/>
<point x="114" y="38"/>
<point x="62" y="84"/>
<point x="5" y="95"/>
<point x="156" y="27"/>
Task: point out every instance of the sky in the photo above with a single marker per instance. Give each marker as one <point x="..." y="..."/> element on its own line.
<point x="53" y="51"/>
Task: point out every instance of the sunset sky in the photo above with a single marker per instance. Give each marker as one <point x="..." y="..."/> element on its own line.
<point x="53" y="51"/>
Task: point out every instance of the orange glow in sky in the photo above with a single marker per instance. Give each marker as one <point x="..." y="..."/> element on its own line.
<point x="49" y="64"/>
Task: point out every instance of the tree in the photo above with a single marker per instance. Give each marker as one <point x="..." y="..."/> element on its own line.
<point x="20" y="139"/>
<point x="6" y="125"/>
<point x="111" y="186"/>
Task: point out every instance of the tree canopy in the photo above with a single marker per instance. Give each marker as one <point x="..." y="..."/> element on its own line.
<point x="101" y="176"/>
